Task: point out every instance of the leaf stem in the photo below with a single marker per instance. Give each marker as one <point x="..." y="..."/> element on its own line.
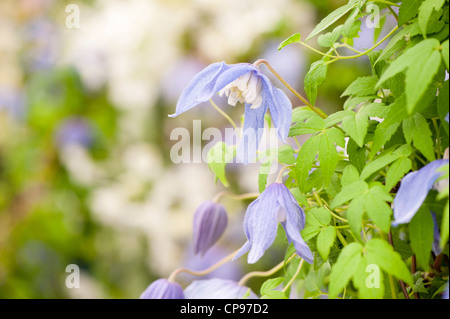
<point x="298" y="95"/>
<point x="365" y="52"/>
<point x="225" y="115"/>
<point x="299" y="268"/>
<point x="265" y="273"/>
<point x="202" y="272"/>
<point x="234" y="196"/>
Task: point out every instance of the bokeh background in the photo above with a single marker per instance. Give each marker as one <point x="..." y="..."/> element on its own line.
<point x="85" y="171"/>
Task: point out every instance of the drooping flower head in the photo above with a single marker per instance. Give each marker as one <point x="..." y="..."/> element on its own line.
<point x="163" y="289"/>
<point x="210" y="222"/>
<point x="245" y="83"/>
<point x="217" y="289"/>
<point x="275" y="205"/>
<point x="413" y="191"/>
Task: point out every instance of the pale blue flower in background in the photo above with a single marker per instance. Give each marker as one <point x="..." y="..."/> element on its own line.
<point x="245" y="83"/>
<point x="217" y="289"/>
<point x="413" y="190"/>
<point x="275" y="205"/>
<point x="163" y="289"/>
<point x="74" y="130"/>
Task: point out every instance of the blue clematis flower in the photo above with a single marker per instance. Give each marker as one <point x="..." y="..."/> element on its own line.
<point x="413" y="190"/>
<point x="275" y="205"/>
<point x="163" y="289"/>
<point x="217" y="289"/>
<point x="245" y="83"/>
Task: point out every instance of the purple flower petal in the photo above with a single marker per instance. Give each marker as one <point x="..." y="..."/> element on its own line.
<point x="413" y="190"/>
<point x="217" y="289"/>
<point x="210" y="222"/>
<point x="276" y="204"/>
<point x="163" y="289"/>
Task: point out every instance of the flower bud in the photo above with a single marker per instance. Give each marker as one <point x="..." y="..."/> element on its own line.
<point x="210" y="221"/>
<point x="163" y="289"/>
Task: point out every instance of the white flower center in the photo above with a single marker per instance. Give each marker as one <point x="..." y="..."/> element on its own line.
<point x="245" y="89"/>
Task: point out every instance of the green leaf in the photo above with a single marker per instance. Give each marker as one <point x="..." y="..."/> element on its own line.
<point x="264" y="170"/>
<point x="445" y="54"/>
<point x="355" y="214"/>
<point x="417" y="130"/>
<point x="344" y="269"/>
<point x="368" y="279"/>
<point x="349" y="192"/>
<point x="331" y="18"/>
<point x="362" y="86"/>
<point x="319" y="217"/>
<point x="336" y="117"/>
<point x="295" y="38"/>
<point x="378" y="211"/>
<point x="328" y="157"/>
<point x="218" y="157"/>
<point x="305" y="158"/>
<point x="377" y="165"/>
<point x="356" y="126"/>
<point x="274" y="294"/>
<point x="328" y="39"/>
<point x="325" y="240"/>
<point x="337" y="136"/>
<point x="421" y="236"/>
<point x="270" y="284"/>
<point x="384" y="131"/>
<point x="408" y="10"/>
<point x="396" y="171"/>
<point x="397" y="42"/>
<point x="425" y="11"/>
<point x="422" y="62"/>
<point x="356" y="155"/>
<point x="311" y="126"/>
<point x="299" y="114"/>
<point x="349" y="175"/>
<point x="286" y="154"/>
<point x="380" y="253"/>
<point x="315" y="77"/>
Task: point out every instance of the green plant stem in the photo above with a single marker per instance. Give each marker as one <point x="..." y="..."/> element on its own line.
<point x="299" y="268"/>
<point x="203" y="272"/>
<point x="234" y="196"/>
<point x="317" y="51"/>
<point x="386" y="2"/>
<point x="225" y="115"/>
<point x="298" y="95"/>
<point x="341" y="238"/>
<point x="365" y="52"/>
<point x="265" y="273"/>
<point x="393" y="288"/>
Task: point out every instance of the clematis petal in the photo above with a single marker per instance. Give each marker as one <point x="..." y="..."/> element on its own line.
<point x="208" y="82"/>
<point x="252" y="132"/>
<point x="280" y="108"/>
<point x="264" y="224"/>
<point x="295" y="222"/>
<point x="413" y="190"/>
<point x="217" y="289"/>
<point x="247" y="246"/>
<point x="436" y="236"/>
<point x="163" y="289"/>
